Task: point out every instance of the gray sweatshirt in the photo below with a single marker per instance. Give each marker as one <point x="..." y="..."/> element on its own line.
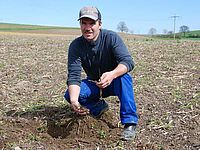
<point x="96" y="57"/>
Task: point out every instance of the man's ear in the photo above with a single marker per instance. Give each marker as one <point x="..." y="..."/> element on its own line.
<point x="100" y="24"/>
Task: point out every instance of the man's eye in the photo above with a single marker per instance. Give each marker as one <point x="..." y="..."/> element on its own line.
<point x="92" y="23"/>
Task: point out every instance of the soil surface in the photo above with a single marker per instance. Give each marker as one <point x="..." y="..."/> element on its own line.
<point x="34" y="114"/>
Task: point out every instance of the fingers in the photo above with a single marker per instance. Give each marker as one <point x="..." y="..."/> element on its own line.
<point x="105" y="79"/>
<point x="103" y="83"/>
<point x="79" y="109"/>
<point x="75" y="106"/>
<point x="83" y="111"/>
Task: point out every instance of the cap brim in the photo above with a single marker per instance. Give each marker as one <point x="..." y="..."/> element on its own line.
<point x="88" y="16"/>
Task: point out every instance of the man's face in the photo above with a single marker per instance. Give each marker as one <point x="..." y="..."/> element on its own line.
<point x="90" y="28"/>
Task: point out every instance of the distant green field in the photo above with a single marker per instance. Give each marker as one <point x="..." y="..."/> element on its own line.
<point x="38" y="29"/>
<point x="194" y="32"/>
<point x="20" y="27"/>
<point x="191" y="35"/>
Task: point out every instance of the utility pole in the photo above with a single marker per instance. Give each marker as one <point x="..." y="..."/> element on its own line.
<point x="174" y="17"/>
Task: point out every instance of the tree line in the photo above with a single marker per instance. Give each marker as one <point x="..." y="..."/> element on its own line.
<point x="122" y="27"/>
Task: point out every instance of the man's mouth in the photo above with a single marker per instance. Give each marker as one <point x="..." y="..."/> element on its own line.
<point x="88" y="32"/>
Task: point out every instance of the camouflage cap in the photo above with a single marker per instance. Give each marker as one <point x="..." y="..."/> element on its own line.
<point x="89" y="12"/>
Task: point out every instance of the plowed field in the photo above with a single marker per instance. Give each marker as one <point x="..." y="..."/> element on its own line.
<point x="34" y="115"/>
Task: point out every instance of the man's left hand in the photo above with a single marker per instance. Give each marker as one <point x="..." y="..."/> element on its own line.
<point x="105" y="79"/>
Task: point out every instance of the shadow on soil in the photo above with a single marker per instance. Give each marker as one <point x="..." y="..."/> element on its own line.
<point x="62" y="123"/>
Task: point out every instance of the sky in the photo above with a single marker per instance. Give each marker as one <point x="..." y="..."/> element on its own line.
<point x="138" y="15"/>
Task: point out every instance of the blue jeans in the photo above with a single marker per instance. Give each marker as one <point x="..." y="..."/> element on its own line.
<point x="121" y="87"/>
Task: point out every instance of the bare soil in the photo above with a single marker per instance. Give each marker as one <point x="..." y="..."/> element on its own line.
<point x="34" y="114"/>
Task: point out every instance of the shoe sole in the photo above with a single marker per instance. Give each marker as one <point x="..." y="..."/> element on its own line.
<point x="127" y="139"/>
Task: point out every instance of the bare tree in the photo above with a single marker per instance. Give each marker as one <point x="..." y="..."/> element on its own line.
<point x="165" y="31"/>
<point x="131" y="31"/>
<point x="152" y="31"/>
<point x="184" y="29"/>
<point x="170" y="32"/>
<point x="122" y="27"/>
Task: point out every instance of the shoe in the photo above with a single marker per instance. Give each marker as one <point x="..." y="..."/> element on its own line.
<point x="128" y="133"/>
<point x="98" y="109"/>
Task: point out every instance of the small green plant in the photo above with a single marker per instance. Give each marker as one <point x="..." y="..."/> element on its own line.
<point x="176" y="93"/>
<point x="154" y="122"/>
<point x="57" y="123"/>
<point x="10" y="145"/>
<point x="2" y="65"/>
<point x="42" y="129"/>
<point x="168" y="125"/>
<point x="33" y="137"/>
<point x="34" y="107"/>
<point x="160" y="147"/>
<point x="160" y="123"/>
<point x="93" y="126"/>
<point x="22" y="76"/>
<point x="188" y="106"/>
<point x="102" y="134"/>
<point x="192" y="103"/>
<point x="120" y="145"/>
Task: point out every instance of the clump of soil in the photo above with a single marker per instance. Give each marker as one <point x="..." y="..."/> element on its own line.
<point x="51" y="123"/>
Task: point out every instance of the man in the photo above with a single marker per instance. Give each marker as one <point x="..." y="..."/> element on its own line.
<point x="105" y="59"/>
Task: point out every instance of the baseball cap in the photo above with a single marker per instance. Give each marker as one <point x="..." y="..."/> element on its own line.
<point x="90" y="12"/>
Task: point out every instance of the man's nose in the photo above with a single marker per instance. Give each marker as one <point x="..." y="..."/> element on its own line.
<point x="88" y="26"/>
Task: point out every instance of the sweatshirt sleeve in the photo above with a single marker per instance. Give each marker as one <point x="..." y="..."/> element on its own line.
<point x="121" y="52"/>
<point x="74" y="65"/>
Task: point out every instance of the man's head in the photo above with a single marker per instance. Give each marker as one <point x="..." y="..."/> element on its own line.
<point x="90" y="22"/>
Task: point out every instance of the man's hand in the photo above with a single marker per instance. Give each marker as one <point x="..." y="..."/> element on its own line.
<point x="74" y="91"/>
<point x="105" y="79"/>
<point x="78" y="108"/>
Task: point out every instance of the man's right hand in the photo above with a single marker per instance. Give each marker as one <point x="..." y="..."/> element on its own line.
<point x="78" y="108"/>
<point x="74" y="91"/>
